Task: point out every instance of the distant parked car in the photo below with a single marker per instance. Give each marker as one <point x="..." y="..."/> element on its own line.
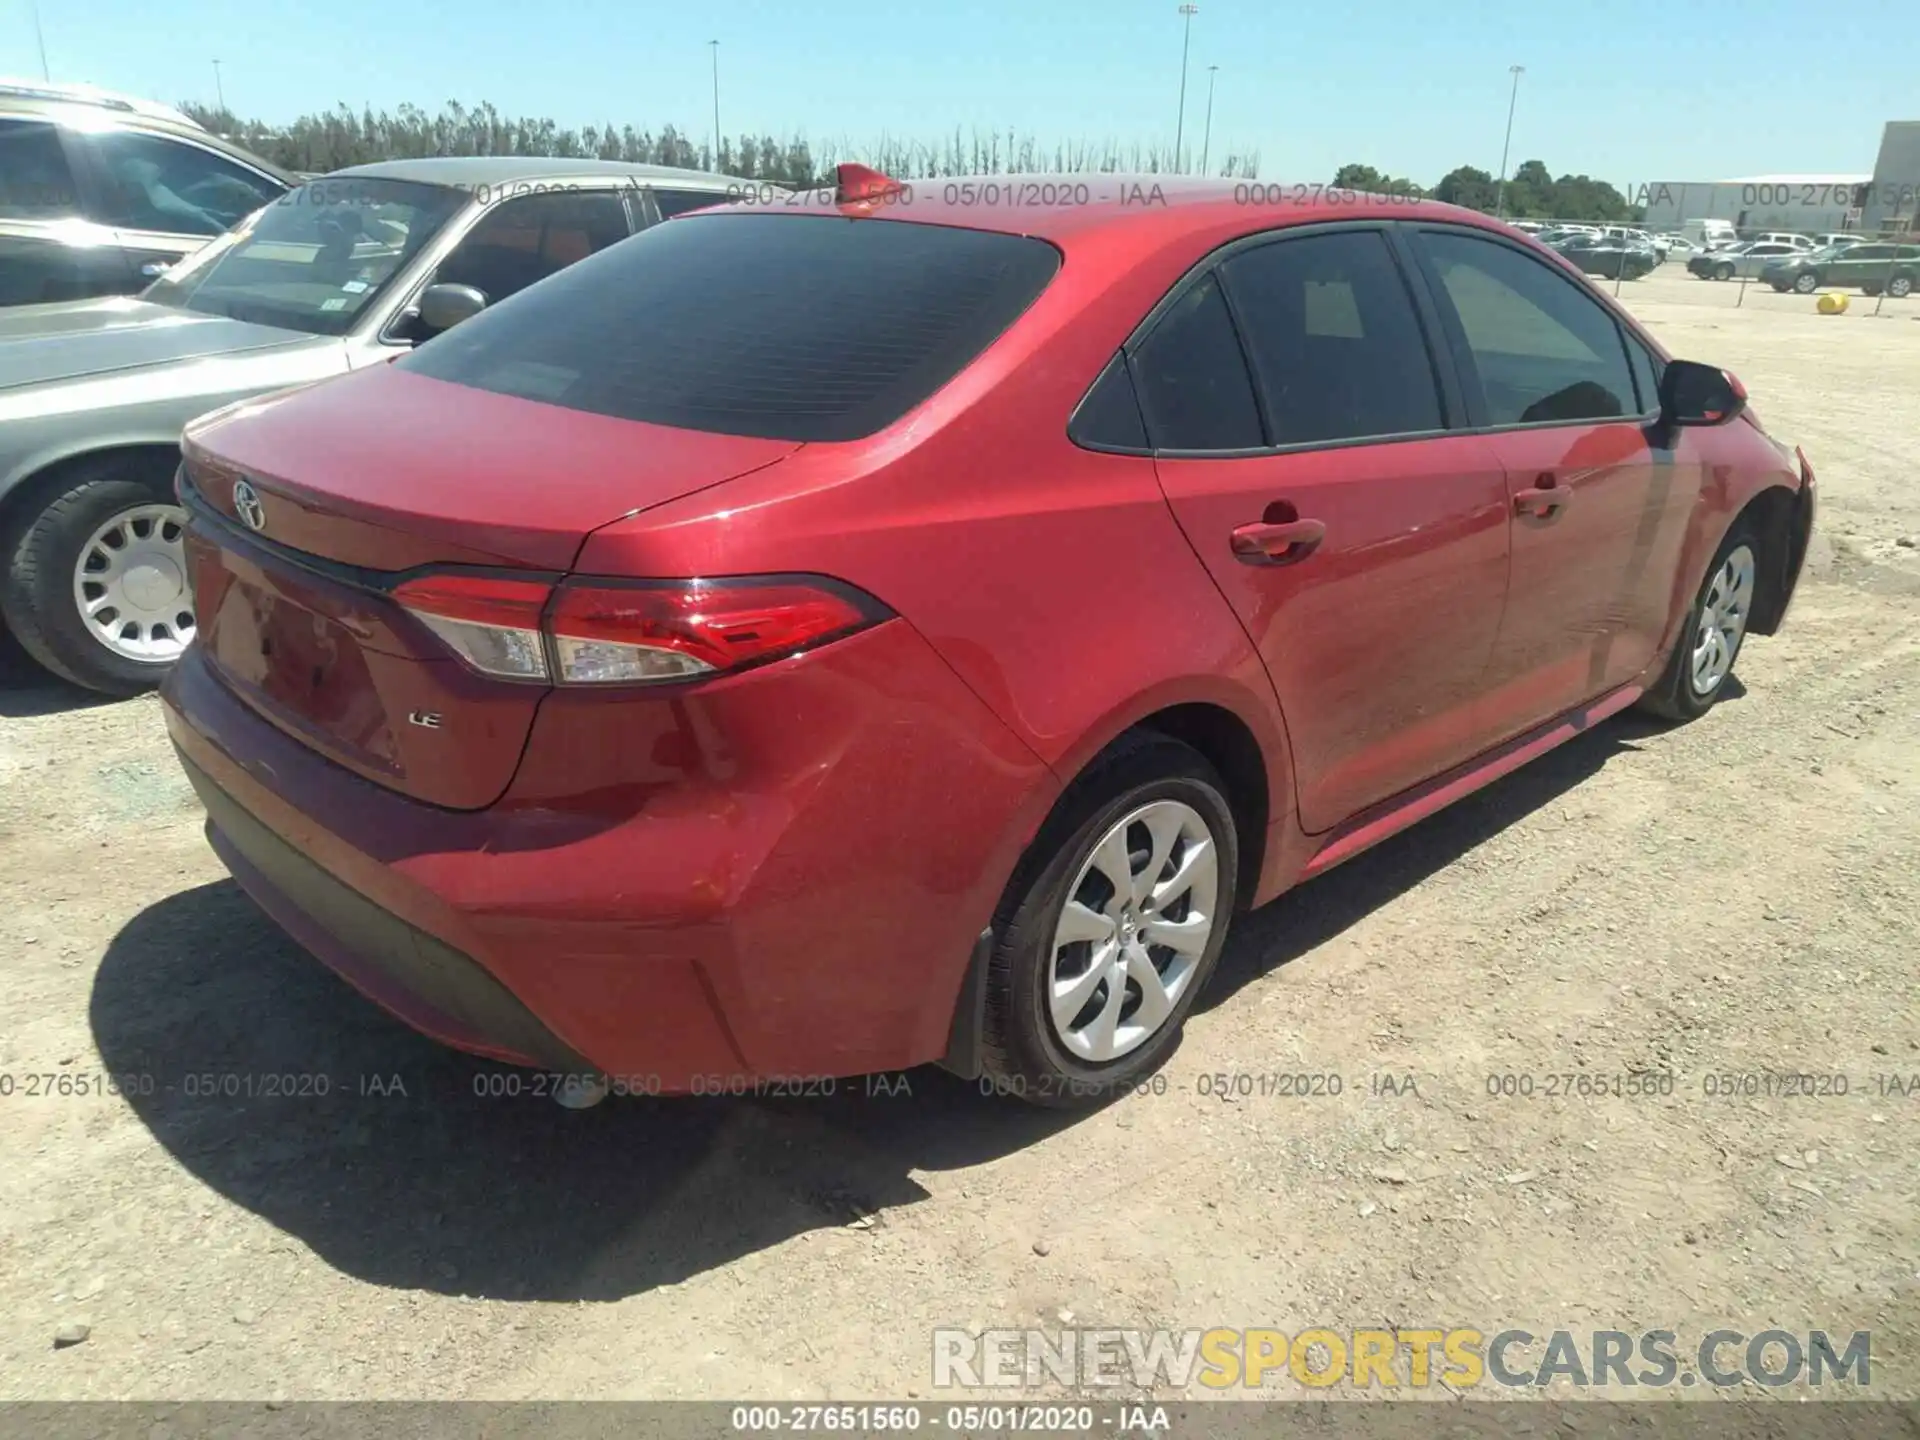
<point x="347" y="272"/>
<point x="1710" y="234"/>
<point x="1565" y="234"/>
<point x="1871" y="267"/>
<point x="1840" y="240"/>
<point x="1804" y="244"/>
<point x="1744" y="261"/>
<point x="100" y="193"/>
<point x="1611" y="256"/>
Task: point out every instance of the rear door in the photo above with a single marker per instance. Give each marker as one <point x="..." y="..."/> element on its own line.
<point x="1300" y="422"/>
<point x="1598" y="513"/>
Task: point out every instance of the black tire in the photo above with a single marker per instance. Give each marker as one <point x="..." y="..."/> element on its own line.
<point x="1674" y="696"/>
<point x="1806" y="284"/>
<point x="1723" y="272"/>
<point x="1900" y="287"/>
<point x="1021" y="1053"/>
<point x="37" y="557"/>
<point x="1869" y="289"/>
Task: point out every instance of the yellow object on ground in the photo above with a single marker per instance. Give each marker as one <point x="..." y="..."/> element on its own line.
<point x="1833" y="303"/>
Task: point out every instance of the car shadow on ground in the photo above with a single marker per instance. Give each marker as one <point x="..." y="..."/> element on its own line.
<point x="26" y="690"/>
<point x="1311" y="914"/>
<point x="400" y="1163"/>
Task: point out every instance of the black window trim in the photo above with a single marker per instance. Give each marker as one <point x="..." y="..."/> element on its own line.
<point x="1469" y="374"/>
<point x="1453" y="409"/>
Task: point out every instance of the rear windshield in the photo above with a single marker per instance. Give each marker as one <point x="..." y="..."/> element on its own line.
<point x="785" y="327"/>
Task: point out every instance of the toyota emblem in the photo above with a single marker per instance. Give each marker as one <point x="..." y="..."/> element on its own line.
<point x="246" y="504"/>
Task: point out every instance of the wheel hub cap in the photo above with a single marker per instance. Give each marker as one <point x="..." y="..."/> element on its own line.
<point x="1723" y="621"/>
<point x="1133" y="931"/>
<point x="130" y="584"/>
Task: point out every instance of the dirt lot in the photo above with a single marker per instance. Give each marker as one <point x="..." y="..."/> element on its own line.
<point x="1735" y="896"/>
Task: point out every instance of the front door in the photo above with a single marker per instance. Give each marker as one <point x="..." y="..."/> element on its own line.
<point x="1598" y="512"/>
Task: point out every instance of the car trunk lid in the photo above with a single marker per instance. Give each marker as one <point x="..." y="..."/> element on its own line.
<point x="307" y="509"/>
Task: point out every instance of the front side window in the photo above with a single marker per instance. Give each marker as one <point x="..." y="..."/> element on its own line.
<point x="152" y="183"/>
<point x="1334" y="339"/>
<point x="315" y="259"/>
<point x="1542" y="350"/>
<point x="35" y="181"/>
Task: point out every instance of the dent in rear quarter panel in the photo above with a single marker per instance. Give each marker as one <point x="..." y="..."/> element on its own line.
<point x="815" y="844"/>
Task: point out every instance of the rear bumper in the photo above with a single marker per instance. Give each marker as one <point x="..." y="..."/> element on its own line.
<point x="778" y="875"/>
<point x="426" y="982"/>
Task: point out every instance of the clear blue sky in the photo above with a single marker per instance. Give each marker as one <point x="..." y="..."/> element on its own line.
<point x="1630" y="91"/>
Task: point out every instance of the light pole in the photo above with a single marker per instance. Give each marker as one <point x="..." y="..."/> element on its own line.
<point x="219" y="90"/>
<point x="714" y="46"/>
<point x="1206" y="138"/>
<point x="1500" y="201"/>
<point x="1187" y="13"/>
<point x="40" y="36"/>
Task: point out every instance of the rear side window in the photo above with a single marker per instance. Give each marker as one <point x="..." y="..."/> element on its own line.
<point x="1109" y="418"/>
<point x="35" y="183"/>
<point x="1193" y="378"/>
<point x="792" y="328"/>
<point x="1543" y="350"/>
<point x="1334" y="339"/>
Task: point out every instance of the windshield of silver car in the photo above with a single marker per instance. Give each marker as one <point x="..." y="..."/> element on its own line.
<point x="315" y="259"/>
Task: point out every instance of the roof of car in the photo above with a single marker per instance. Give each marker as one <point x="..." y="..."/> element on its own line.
<point x="22" y="94"/>
<point x="1058" y="207"/>
<point x="468" y="170"/>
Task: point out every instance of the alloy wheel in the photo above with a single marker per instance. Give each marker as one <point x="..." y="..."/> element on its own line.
<point x="1723" y="620"/>
<point x="130" y="584"/>
<point x="1133" y="931"/>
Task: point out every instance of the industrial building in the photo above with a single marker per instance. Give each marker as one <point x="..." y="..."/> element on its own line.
<point x="1806" y="204"/>
<point x="1893" y="196"/>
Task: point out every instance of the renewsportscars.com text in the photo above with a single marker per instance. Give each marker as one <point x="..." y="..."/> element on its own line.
<point x="1458" y="1358"/>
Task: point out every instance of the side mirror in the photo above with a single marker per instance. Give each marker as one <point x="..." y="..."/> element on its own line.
<point x="1696" y="394"/>
<point x="444" y="306"/>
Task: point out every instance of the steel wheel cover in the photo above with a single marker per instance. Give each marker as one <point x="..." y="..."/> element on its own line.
<point x="130" y="584"/>
<point x="1723" y="620"/>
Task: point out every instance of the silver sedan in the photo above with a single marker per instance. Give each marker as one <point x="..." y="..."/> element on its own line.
<point x="351" y="269"/>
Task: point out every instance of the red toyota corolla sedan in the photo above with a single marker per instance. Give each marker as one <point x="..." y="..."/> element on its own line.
<point x="878" y="629"/>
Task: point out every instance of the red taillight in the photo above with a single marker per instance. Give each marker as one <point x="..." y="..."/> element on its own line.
<point x="600" y="632"/>
<point x="490" y="621"/>
<point x="626" y="633"/>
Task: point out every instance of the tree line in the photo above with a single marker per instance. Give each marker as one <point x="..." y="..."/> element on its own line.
<point x="342" y="136"/>
<point x="1532" y="193"/>
<point x="336" y="138"/>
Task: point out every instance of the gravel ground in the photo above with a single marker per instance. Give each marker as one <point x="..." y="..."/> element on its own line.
<point x="1735" y="896"/>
